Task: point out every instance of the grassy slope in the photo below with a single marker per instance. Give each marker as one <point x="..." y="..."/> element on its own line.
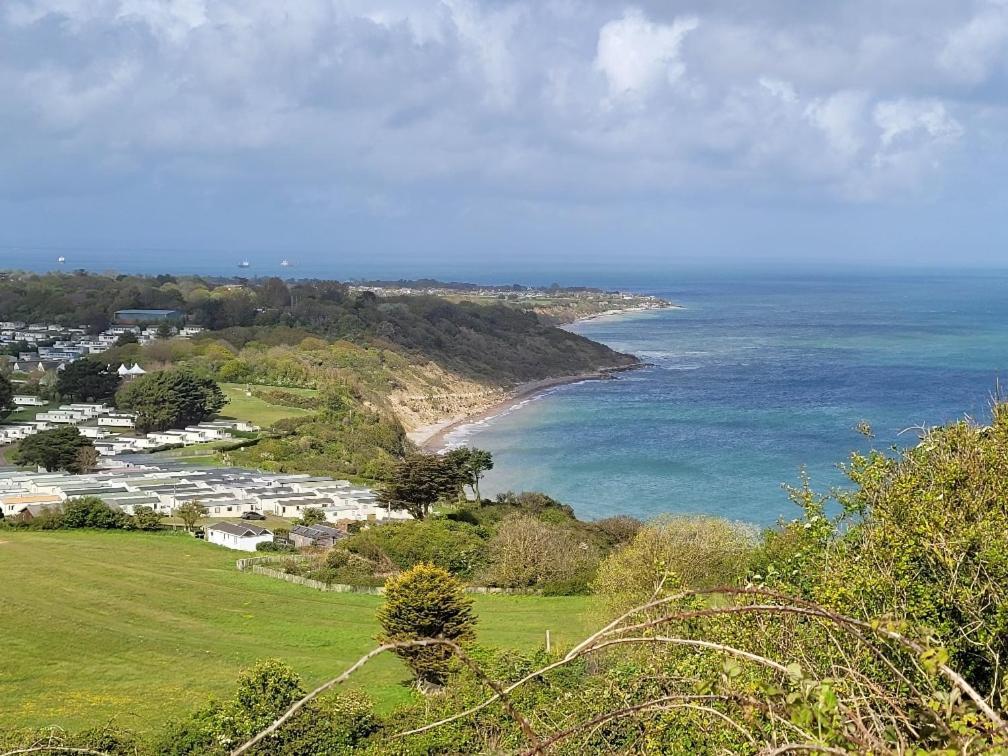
<point x="142" y="627"/>
<point x="255" y="410"/>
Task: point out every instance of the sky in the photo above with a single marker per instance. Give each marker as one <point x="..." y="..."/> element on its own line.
<point x="550" y="136"/>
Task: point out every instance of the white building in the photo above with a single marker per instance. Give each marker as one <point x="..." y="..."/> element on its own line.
<point x="22" y="400"/>
<point x="237" y="536"/>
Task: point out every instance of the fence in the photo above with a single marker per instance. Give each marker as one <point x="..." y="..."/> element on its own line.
<point x="255" y="566"/>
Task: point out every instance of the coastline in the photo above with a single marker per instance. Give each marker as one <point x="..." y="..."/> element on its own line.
<point x="431" y="437"/>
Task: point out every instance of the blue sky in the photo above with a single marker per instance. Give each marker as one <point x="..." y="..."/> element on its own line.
<point x="469" y="135"/>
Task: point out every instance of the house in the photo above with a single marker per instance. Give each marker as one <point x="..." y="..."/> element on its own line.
<point x="118" y="420"/>
<point x="24" y="400"/>
<point x="147" y="316"/>
<point x="29" y="367"/>
<point x="239" y="536"/>
<point x="315" y="536"/>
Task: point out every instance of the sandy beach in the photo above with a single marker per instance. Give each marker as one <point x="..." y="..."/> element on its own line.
<point x="431" y="438"/>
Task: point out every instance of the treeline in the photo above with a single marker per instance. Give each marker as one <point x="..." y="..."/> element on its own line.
<point x="495" y="344"/>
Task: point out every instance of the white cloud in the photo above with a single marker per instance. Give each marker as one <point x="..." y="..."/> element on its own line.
<point x="973" y="49"/>
<point x="636" y="54"/>
<point x="899" y="119"/>
<point x="841" y="118"/>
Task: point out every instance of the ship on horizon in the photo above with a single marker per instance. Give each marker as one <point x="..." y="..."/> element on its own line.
<point x="285" y="263"/>
<point x="245" y="264"/>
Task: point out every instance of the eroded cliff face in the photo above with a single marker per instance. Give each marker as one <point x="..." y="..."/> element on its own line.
<point x="428" y="394"/>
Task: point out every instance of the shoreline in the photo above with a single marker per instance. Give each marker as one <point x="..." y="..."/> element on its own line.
<point x="431" y="437"/>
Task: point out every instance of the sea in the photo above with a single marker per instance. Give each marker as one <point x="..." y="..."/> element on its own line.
<point x="751" y="381"/>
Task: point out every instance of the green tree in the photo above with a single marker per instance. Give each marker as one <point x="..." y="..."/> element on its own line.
<point x="91" y="512"/>
<point x="126" y="338"/>
<point x="6" y="395"/>
<point x="426" y="602"/>
<point x="87" y="381"/>
<point x="470" y="465"/>
<point x="312" y="516"/>
<point x="190" y="513"/>
<point x="418" y="482"/>
<point x="164" y="331"/>
<point x="54" y="450"/>
<point x="145" y="518"/>
<point x="170" y="399"/>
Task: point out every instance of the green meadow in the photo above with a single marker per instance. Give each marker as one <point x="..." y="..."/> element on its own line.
<point x="137" y="628"/>
<point x="254" y="409"/>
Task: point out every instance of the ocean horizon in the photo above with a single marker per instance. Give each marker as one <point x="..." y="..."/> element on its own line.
<point x="747" y="385"/>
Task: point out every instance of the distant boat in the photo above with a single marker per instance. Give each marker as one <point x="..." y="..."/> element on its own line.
<point x="61" y="259"/>
<point x="245" y="264"/>
<point x="285" y="263"/>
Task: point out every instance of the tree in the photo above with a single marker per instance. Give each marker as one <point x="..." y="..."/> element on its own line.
<point x="170" y="399"/>
<point x="6" y="395"/>
<point x="145" y="518"/>
<point x="418" y="482"/>
<point x="127" y="337"/>
<point x="87" y="381"/>
<point x="426" y="602"/>
<point x="190" y="513"/>
<point x="470" y="464"/>
<point x="87" y="459"/>
<point x="91" y="512"/>
<point x="164" y="331"/>
<point x="54" y="450"/>
<point x="312" y="516"/>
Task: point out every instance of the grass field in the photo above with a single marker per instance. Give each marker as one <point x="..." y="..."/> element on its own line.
<point x="241" y="407"/>
<point x="142" y="627"/>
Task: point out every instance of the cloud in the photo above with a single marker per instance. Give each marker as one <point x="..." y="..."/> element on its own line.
<point x="636" y="54"/>
<point x="975" y="48"/>
<point x="465" y="102"/>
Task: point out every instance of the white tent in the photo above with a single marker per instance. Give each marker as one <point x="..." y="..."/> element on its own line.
<point x="136" y="370"/>
<point x="123" y="370"/>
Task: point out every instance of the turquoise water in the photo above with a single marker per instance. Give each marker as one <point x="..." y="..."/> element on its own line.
<point x="750" y="381"/>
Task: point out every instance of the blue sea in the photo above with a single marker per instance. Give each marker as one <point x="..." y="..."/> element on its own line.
<point x="751" y="380"/>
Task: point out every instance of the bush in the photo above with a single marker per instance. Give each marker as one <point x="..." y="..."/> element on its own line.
<point x="526" y="552"/>
<point x="457" y="547"/>
<point x="92" y="512"/>
<point x="330" y="725"/>
<point x="691" y="552"/>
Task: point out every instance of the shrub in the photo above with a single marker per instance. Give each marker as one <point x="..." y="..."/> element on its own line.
<point x="457" y="547"/>
<point x="526" y="552"/>
<point x="92" y="512"/>
<point x="426" y="602"/>
<point x="693" y="552"/>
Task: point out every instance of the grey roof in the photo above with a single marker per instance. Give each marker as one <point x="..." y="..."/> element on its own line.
<point x="317" y="531"/>
<point x="239" y="529"/>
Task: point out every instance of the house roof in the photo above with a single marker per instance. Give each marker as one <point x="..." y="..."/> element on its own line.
<point x="317" y="531"/>
<point x="239" y="529"/>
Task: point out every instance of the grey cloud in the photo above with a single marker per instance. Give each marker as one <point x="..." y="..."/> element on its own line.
<point x="545" y="100"/>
